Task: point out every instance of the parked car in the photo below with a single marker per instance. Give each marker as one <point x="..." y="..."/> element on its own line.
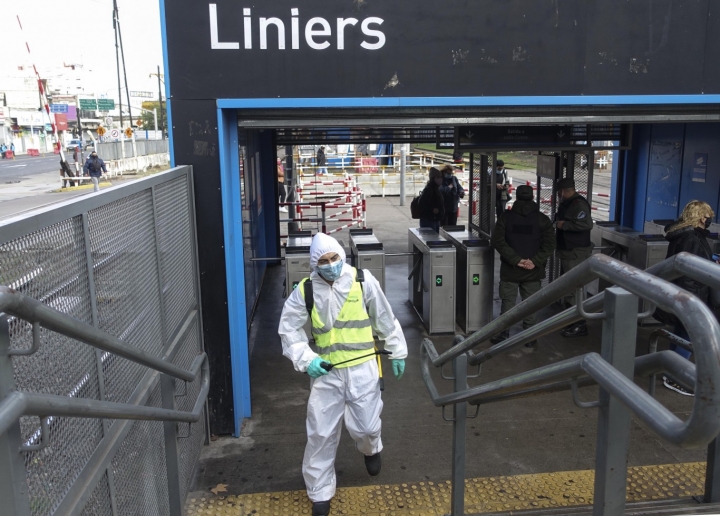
<point x="74" y="143"/>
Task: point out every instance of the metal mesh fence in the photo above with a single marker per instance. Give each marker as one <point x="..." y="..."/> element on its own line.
<point x="481" y="190"/>
<point x="175" y="243"/>
<point x="139" y="468"/>
<point x="99" y="502"/>
<point x="142" y="258"/>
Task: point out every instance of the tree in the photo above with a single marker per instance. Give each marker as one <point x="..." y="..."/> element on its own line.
<point x="148" y="119"/>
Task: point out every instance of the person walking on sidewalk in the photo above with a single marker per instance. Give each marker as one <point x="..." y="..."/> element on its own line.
<point x="281" y="185"/>
<point x="345" y="305"/>
<point x="573" y="222"/>
<point x="525" y="239"/>
<point x="321" y="161"/>
<point x="94" y="167"/>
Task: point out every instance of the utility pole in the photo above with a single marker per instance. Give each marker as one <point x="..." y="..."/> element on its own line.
<point x="117" y="59"/>
<point x="161" y="102"/>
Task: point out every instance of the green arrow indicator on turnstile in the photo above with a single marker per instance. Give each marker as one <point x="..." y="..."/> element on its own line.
<point x="476" y="279"/>
<point x="438" y="280"/>
<point x="295" y="284"/>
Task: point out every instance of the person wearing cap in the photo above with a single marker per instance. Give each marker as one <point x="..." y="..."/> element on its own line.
<point x="94" y="167"/>
<point x="501" y="193"/>
<point x="345" y="308"/>
<point x="432" y="201"/>
<point x="573" y="222"/>
<point x="525" y="239"/>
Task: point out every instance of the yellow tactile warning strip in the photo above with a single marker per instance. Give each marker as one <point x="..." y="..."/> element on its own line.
<point x="482" y="495"/>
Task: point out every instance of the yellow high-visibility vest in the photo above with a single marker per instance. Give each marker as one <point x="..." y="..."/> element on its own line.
<point x="350" y="336"/>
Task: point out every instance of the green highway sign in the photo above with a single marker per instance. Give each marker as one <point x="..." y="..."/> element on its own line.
<point x="106" y="104"/>
<point x="88" y="104"/>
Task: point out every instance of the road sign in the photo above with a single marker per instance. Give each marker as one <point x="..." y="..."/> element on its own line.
<point x="59" y="108"/>
<point x="142" y="94"/>
<point x="101" y="131"/>
<point x="114" y="134"/>
<point x="108" y="120"/>
<point x="89" y="104"/>
<point x="128" y="133"/>
<point x="106" y="104"/>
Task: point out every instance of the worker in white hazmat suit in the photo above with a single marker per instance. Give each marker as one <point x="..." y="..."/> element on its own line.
<point x="344" y="312"/>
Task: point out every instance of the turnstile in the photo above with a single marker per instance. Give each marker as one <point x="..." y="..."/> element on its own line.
<point x="367" y="252"/>
<point x="475" y="263"/>
<point x="297" y="265"/>
<point x="431" y="289"/>
<point x="641" y="250"/>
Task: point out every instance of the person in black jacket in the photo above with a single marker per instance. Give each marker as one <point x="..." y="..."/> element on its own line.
<point x="432" y="203"/>
<point x="525" y="239"/>
<point x="452" y="192"/>
<point x="689" y="234"/>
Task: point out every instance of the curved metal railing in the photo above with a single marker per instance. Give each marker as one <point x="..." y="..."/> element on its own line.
<point x="703" y="423"/>
<point x="17" y="404"/>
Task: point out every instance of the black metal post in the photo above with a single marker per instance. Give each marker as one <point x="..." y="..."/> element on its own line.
<point x="459" y="430"/>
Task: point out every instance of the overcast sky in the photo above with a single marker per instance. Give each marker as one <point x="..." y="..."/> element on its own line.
<point x="81" y="32"/>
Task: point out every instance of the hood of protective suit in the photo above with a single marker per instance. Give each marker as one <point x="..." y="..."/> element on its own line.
<point x="323" y="244"/>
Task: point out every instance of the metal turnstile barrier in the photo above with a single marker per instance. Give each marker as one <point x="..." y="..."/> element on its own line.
<point x="368" y="253"/>
<point x="641" y="250"/>
<point x="431" y="289"/>
<point x="474" y="271"/>
<point x="297" y="265"/>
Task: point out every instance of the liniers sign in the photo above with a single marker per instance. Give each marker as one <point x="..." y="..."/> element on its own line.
<point x="452" y="48"/>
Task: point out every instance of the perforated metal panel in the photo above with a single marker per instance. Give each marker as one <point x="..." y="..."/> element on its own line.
<point x="139" y="468"/>
<point x="481" y="195"/>
<point x="142" y="254"/>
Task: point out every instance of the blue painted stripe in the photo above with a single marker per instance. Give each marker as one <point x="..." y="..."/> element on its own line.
<point x="234" y="263"/>
<point x="466" y="101"/>
<point x="166" y="69"/>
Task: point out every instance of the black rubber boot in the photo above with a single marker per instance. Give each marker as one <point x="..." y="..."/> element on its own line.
<point x="576" y="330"/>
<point x="373" y="463"/>
<point x="503" y="335"/>
<point x="321" y="508"/>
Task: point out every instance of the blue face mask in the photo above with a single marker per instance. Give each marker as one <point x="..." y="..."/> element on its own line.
<point x="331" y="271"/>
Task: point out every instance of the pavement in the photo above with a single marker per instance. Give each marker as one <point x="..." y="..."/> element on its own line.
<point x="28" y="183"/>
<point x="534" y="435"/>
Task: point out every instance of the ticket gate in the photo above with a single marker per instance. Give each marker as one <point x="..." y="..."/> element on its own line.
<point x="297" y="264"/>
<point x="431" y="289"/>
<point x="475" y="263"/>
<point x="367" y="252"/>
<point x="641" y="250"/>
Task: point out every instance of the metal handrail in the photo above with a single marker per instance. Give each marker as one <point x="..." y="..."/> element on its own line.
<point x="682" y="264"/>
<point x="14" y="303"/>
<point x="18" y="404"/>
<point x="704" y="421"/>
<point x="652" y="348"/>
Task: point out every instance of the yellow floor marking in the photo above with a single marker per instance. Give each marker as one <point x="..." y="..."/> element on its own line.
<point x="482" y="495"/>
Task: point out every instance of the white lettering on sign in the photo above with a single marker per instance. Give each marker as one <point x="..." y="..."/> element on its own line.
<point x="318" y="32"/>
<point x="214" y="42"/>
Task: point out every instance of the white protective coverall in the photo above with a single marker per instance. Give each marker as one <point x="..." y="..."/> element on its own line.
<point x="352" y="393"/>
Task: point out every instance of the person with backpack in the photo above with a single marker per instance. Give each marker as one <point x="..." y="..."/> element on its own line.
<point x="94" y="167"/>
<point x="431" y="201"/>
<point x="345" y="305"/>
<point x="452" y="191"/>
<point x="3" y="148"/>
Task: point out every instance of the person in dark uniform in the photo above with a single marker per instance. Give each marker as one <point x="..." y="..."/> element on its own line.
<point x="525" y="239"/>
<point x="573" y="222"/>
<point x="452" y="191"/>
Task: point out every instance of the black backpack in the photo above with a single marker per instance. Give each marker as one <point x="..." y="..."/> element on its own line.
<point x="415" y="207"/>
<point x="308" y="290"/>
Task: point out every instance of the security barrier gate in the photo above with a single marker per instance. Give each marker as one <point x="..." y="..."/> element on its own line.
<point x="101" y="292"/>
